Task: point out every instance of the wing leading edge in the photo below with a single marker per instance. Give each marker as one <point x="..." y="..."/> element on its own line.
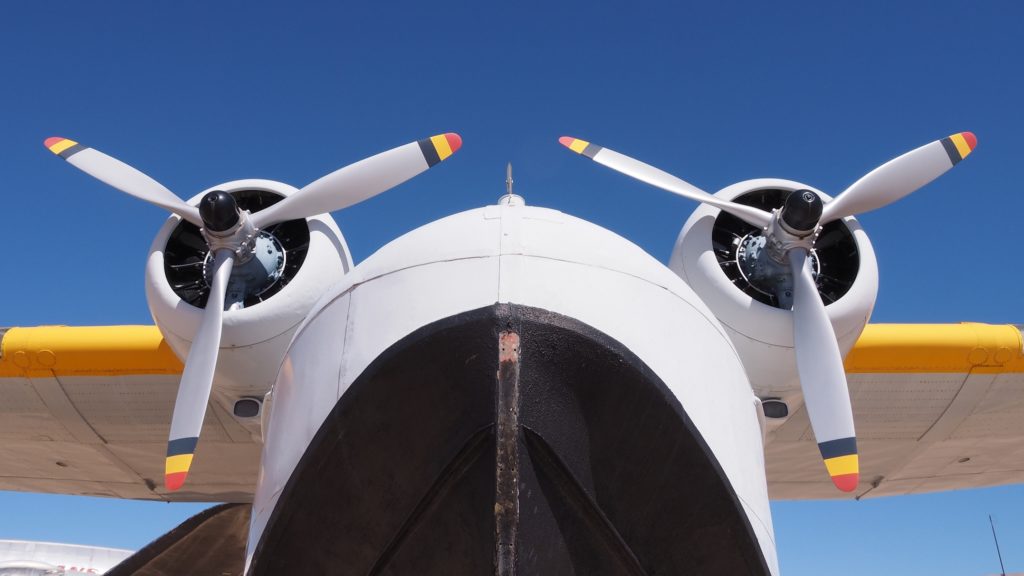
<point x="86" y="409"/>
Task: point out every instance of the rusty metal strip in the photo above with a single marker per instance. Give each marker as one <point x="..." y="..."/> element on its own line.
<point x="506" y="497"/>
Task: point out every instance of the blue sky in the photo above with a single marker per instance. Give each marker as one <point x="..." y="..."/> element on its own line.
<point x="197" y="93"/>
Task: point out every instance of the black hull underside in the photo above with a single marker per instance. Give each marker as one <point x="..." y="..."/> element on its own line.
<point x="508" y="440"/>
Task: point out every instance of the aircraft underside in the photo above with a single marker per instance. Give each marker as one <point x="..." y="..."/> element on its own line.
<point x="508" y="440"/>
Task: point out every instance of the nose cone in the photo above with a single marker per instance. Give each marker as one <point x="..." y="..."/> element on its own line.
<point x="802" y="210"/>
<point x="219" y="211"/>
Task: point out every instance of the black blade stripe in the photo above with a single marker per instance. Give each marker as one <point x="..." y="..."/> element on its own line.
<point x="71" y="151"/>
<point x="840" y="447"/>
<point x="429" y="152"/>
<point x="954" y="154"/>
<point x="182" y="446"/>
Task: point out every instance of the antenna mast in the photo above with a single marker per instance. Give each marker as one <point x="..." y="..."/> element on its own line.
<point x="1002" y="569"/>
<point x="510" y="198"/>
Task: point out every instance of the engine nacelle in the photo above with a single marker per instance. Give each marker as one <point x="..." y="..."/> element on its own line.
<point x="712" y="254"/>
<point x="301" y="258"/>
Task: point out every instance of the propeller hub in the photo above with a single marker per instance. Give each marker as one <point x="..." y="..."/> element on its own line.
<point x="801" y="212"/>
<point x="761" y="272"/>
<point x="226" y="226"/>
<point x="219" y="211"/>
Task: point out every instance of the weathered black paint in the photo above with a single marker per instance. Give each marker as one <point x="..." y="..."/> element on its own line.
<point x="612" y="476"/>
<point x="211" y="542"/>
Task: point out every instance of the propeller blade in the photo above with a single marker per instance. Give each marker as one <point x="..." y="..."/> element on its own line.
<point x="197" y="378"/>
<point x="822" y="377"/>
<point x="900" y="176"/>
<point x="115" y="173"/>
<point x="661" y="179"/>
<point x="362" y="180"/>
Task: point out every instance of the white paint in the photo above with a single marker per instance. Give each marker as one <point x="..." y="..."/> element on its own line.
<point x="534" y="257"/>
<point x="763" y="334"/>
<point x="254" y="339"/>
<point x="19" y="557"/>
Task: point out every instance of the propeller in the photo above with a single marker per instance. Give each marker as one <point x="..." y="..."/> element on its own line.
<point x="227" y="230"/>
<point x="115" y="173"/>
<point x="197" y="378"/>
<point x="900" y="176"/>
<point x="791" y="232"/>
<point x="661" y="179"/>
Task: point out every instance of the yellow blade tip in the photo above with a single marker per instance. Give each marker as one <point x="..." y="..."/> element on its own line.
<point x="58" y="144"/>
<point x="574" y="144"/>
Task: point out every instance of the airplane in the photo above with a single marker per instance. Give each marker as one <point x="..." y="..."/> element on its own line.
<point x="509" y="389"/>
<point x="22" y="558"/>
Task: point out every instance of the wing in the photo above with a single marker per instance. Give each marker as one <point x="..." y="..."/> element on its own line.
<point x="86" y="410"/>
<point x="937" y="407"/>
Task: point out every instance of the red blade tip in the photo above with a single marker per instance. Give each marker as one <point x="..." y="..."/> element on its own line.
<point x="846" y="482"/>
<point x="454" y="140"/>
<point x="566" y="141"/>
<point x="49" y="142"/>
<point x="970" y="138"/>
<point x="174" y="481"/>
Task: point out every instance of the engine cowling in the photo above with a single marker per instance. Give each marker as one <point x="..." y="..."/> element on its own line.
<point x="295" y="263"/>
<point x="713" y="254"/>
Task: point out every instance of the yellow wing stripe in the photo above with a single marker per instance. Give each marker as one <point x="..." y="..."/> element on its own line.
<point x="842" y="465"/>
<point x="44" y="351"/>
<point x="180" y="463"/>
<point x="937" y="348"/>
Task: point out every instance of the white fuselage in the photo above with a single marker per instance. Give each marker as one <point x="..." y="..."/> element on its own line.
<point x="23" y="558"/>
<point x="533" y="257"/>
